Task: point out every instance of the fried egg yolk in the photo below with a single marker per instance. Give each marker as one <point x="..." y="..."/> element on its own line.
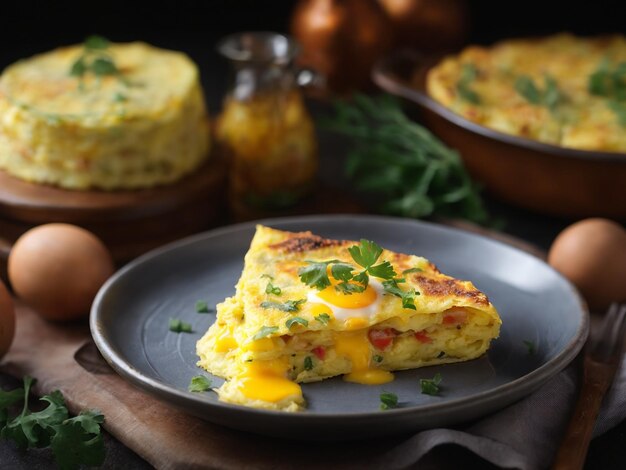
<point x="350" y="307"/>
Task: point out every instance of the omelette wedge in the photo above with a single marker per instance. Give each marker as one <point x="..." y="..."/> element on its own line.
<point x="308" y="308"/>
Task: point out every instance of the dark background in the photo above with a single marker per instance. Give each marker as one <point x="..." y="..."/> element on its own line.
<point x="194" y="26"/>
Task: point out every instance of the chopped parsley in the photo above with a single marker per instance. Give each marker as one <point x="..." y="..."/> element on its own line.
<point x="388" y="400"/>
<point x="288" y="306"/>
<point x="469" y="73"/>
<point x="199" y="383"/>
<point x="94" y="59"/>
<point x="296" y="320"/>
<point x="441" y="354"/>
<point x="272" y="289"/>
<point x="431" y="386"/>
<point x="549" y="97"/>
<point x="323" y="318"/>
<point x="532" y="347"/>
<point x="308" y="363"/>
<point x="264" y="332"/>
<point x="412" y="270"/>
<point x="377" y="358"/>
<point x="408" y="297"/>
<point x="202" y="306"/>
<point x="178" y="326"/>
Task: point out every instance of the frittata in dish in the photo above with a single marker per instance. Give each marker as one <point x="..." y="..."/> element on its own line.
<point x="102" y="115"/>
<point x="561" y="90"/>
<point x="308" y="308"/>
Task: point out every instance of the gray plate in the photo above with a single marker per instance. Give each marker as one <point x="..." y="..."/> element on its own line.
<point x="129" y="323"/>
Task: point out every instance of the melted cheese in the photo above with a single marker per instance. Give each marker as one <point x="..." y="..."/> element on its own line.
<point x="356" y="347"/>
<point x="267" y="381"/>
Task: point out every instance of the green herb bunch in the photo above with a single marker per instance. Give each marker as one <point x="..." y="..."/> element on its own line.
<point x="414" y="172"/>
<point x="74" y="441"/>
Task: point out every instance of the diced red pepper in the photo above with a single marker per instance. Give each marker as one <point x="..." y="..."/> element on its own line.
<point x="381" y="339"/>
<point x="320" y="352"/>
<point x="422" y="337"/>
<point x="454" y="316"/>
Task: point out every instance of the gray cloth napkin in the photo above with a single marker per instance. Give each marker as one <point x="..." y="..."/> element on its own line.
<point x="526" y="435"/>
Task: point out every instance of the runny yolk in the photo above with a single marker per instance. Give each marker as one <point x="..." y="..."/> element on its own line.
<point x="355" y="300"/>
<point x="318" y="309"/>
<point x="267" y="381"/>
<point x="355" y="346"/>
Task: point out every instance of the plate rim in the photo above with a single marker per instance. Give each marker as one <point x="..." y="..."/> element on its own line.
<point x="519" y="387"/>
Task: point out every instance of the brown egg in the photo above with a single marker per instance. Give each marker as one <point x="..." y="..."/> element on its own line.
<point x="7" y="320"/>
<point x="58" y="268"/>
<point x="592" y="254"/>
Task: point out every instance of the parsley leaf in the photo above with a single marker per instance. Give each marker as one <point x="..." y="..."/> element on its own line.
<point x="377" y="358"/>
<point x="431" y="386"/>
<point x="532" y="348"/>
<point x="383" y="270"/>
<point x="342" y="271"/>
<point x="96" y="42"/>
<point x="408" y="297"/>
<point x="549" y="97"/>
<point x="104" y="66"/>
<point x="315" y="275"/>
<point x="272" y="289"/>
<point x="349" y="288"/>
<point x="199" y="383"/>
<point x="288" y="306"/>
<point x="202" y="306"/>
<point x="469" y="73"/>
<point x="308" y="363"/>
<point x="178" y="326"/>
<point x="299" y="320"/>
<point x="366" y="253"/>
<point x="412" y="270"/>
<point x="388" y="400"/>
<point x="323" y="318"/>
<point x="74" y="441"/>
<point x="265" y="331"/>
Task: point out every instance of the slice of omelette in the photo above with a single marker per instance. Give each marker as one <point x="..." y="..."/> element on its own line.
<point x="307" y="308"/>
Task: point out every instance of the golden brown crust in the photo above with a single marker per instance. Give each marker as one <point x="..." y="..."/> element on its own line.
<point x="305" y="241"/>
<point x="439" y="287"/>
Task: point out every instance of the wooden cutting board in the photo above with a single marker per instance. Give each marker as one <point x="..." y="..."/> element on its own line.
<point x="129" y="222"/>
<point x="64" y="357"/>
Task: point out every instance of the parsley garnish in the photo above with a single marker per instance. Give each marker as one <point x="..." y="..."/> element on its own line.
<point x="468" y="75"/>
<point x="288" y="306"/>
<point x="549" y="97"/>
<point x="323" y="318"/>
<point x="179" y="326"/>
<point x="532" y="348"/>
<point x="202" y="306"/>
<point x="199" y="383"/>
<point x="366" y="255"/>
<point x="265" y="331"/>
<point x="308" y="363"/>
<point x="441" y="354"/>
<point x="408" y="297"/>
<point x="74" y="441"/>
<point x="299" y="320"/>
<point x="377" y="358"/>
<point x="412" y="270"/>
<point x="272" y="289"/>
<point x="388" y="400"/>
<point x="412" y="173"/>
<point x="94" y="59"/>
<point x="431" y="386"/>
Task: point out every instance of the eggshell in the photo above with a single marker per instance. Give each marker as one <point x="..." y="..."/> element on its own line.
<point x="58" y="268"/>
<point x="7" y="320"/>
<point x="592" y="254"/>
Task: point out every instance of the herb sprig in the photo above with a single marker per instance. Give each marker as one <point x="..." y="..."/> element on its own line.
<point x="611" y="83"/>
<point x="403" y="163"/>
<point x="74" y="441"/>
<point x="94" y="59"/>
<point x="366" y="254"/>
